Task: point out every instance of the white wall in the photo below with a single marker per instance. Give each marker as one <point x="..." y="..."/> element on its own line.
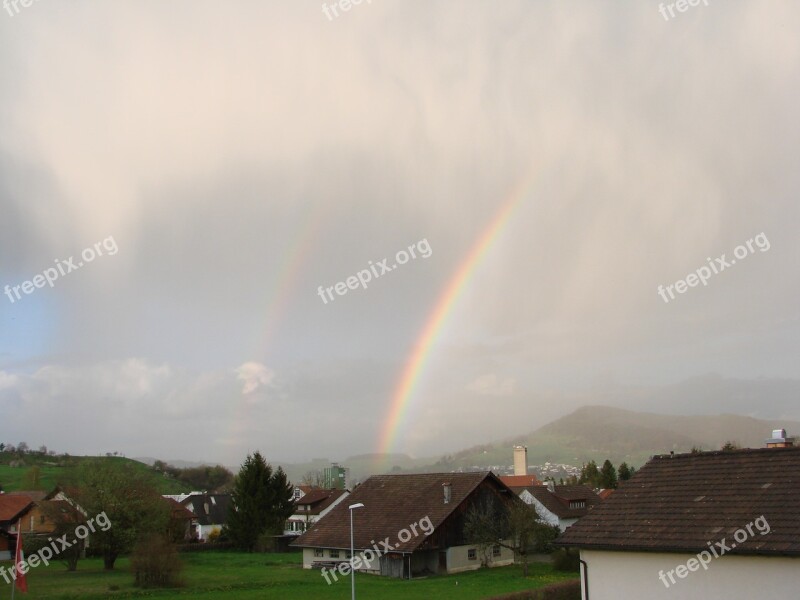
<point x="615" y="575"/>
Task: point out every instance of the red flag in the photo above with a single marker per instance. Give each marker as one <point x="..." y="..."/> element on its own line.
<point x="19" y="557"/>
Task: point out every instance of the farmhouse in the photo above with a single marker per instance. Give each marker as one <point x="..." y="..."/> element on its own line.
<point x="710" y="525"/>
<point x="416" y="522"/>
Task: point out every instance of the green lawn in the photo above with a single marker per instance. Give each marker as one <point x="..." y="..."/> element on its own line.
<point x="233" y="575"/>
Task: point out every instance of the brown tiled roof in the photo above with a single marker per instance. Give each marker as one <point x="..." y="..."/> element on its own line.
<point x="12" y="506"/>
<point x="558" y="501"/>
<point x="520" y="481"/>
<point x="35" y="495"/>
<point x="681" y="503"/>
<point x="392" y="503"/>
<point x="318" y="500"/>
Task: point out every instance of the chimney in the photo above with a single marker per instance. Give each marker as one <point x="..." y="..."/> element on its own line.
<point x="779" y="439"/>
<point x="520" y="460"/>
<point x="448" y="492"/>
<point x="551" y="487"/>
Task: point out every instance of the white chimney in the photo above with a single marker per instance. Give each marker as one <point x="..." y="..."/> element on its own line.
<point x="520" y="460"/>
<point x="551" y="486"/>
<point x="448" y="492"/>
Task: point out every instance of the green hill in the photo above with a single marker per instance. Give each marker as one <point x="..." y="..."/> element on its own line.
<point x="56" y="470"/>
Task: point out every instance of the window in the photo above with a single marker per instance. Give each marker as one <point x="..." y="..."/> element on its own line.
<point x="472" y="554"/>
<point x="318" y="553"/>
<point x="577" y="504"/>
<point x="334" y="553"/>
<point x="41" y="519"/>
<point x="347" y="555"/>
<point x="496" y="551"/>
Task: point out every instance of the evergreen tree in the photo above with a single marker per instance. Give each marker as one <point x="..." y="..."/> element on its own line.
<point x="624" y="472"/>
<point x="590" y="474"/>
<point x="261" y="502"/>
<point x="608" y="476"/>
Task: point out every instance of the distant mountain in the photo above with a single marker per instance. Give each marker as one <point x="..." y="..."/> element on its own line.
<point x="600" y="432"/>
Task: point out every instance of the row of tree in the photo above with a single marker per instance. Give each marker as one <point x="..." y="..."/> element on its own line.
<point x="205" y="477"/>
<point x="605" y="477"/>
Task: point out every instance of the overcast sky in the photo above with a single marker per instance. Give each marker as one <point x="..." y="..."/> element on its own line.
<point x="230" y="158"/>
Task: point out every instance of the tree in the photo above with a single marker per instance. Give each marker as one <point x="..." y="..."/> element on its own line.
<point x="32" y="479"/>
<point x="127" y="497"/>
<point x="590" y="475"/>
<point x="488" y="524"/>
<point x="608" y="476"/>
<point x="22" y="448"/>
<point x="314" y="479"/>
<point x="624" y="472"/>
<point x="64" y="518"/>
<point x="730" y="446"/>
<point x="2" y="447"/>
<point x="261" y="501"/>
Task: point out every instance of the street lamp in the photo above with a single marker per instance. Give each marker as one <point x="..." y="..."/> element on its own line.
<point x="352" y="549"/>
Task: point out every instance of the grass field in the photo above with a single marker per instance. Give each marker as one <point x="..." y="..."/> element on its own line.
<point x="240" y="576"/>
<point x="50" y="475"/>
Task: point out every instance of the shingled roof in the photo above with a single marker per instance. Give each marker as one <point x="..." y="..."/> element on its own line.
<point x="210" y="509"/>
<point x="680" y="503"/>
<point x="520" y="482"/>
<point x="13" y="506"/>
<point x="317" y="500"/>
<point x="559" y="500"/>
<point x="393" y="503"/>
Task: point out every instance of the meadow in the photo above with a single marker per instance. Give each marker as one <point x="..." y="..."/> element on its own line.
<point x="242" y="576"/>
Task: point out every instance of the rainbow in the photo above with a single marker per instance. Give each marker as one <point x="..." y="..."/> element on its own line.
<point x="283" y="283"/>
<point x="437" y="319"/>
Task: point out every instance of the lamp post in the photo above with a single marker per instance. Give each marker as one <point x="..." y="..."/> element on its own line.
<point x="352" y="549"/>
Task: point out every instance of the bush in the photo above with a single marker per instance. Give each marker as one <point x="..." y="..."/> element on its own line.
<point x="567" y="559"/>
<point x="155" y="563"/>
<point x="564" y="590"/>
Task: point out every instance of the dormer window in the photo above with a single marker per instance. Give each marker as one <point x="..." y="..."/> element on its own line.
<point x="577" y="503"/>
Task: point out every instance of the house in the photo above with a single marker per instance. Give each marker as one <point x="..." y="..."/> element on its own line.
<point x="13" y="508"/>
<point x="710" y="525"/>
<point x="182" y="522"/>
<point x="311" y="507"/>
<point x="211" y="511"/>
<point x="301" y="490"/>
<point x="409" y="525"/>
<point x="560" y="505"/>
<point x="45" y="516"/>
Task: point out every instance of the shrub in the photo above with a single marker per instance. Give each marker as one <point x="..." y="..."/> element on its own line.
<point x="155" y="563"/>
<point x="213" y="535"/>
<point x="566" y="559"/>
<point x="564" y="590"/>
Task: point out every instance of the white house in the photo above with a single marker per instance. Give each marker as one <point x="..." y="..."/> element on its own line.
<point x="710" y="526"/>
<point x="211" y="511"/>
<point x="310" y="506"/>
<point x="560" y="505"/>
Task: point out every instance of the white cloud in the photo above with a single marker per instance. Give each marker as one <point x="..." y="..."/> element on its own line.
<point x="255" y="376"/>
